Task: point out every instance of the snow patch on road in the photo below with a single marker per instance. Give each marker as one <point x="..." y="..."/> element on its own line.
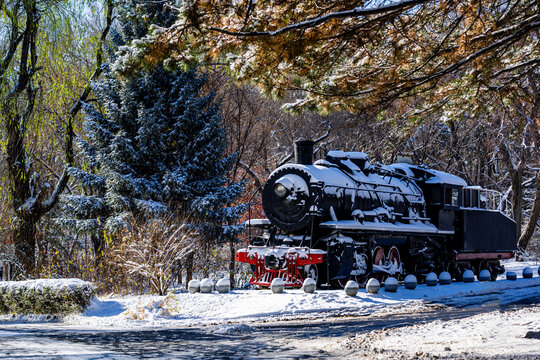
<point x="501" y="334"/>
<point x="232" y="329"/>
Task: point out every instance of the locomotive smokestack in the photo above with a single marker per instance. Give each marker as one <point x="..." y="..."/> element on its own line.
<point x="303" y="152"/>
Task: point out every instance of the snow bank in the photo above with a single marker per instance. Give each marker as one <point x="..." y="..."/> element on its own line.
<point x="262" y="305"/>
<point x="45" y="296"/>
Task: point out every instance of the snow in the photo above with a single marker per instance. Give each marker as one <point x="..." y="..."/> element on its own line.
<point x="508" y="334"/>
<point x="383" y="226"/>
<point x="258" y="252"/>
<point x="436" y="176"/>
<point x="440" y="177"/>
<point x="244" y="306"/>
<point x="257" y="222"/>
<point x="41" y="284"/>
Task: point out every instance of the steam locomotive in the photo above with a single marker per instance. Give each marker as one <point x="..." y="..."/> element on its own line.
<point x="343" y="218"/>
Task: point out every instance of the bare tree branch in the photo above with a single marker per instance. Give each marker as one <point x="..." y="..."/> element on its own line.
<point x="254" y="176"/>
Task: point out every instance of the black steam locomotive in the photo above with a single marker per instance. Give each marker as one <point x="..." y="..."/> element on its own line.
<point x="343" y="218"/>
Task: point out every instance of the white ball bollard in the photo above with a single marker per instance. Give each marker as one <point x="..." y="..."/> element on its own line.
<point x="390" y="284"/>
<point x="510" y="275"/>
<point x="351" y="288"/>
<point x="373" y="286"/>
<point x="223" y="286"/>
<point x="445" y="278"/>
<point x="527" y="273"/>
<point x="309" y="285"/>
<point x="431" y="279"/>
<point x="194" y="286"/>
<point x="468" y="276"/>
<point x="484" y="275"/>
<point x="277" y="285"/>
<point x="207" y="286"/>
<point x="410" y="282"/>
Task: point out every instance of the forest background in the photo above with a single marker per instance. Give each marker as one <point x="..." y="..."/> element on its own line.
<point x="454" y="85"/>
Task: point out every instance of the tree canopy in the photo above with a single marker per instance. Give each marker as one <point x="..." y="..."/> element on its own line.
<point x="354" y="55"/>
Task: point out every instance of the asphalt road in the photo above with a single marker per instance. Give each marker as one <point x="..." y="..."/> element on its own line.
<point x="256" y="341"/>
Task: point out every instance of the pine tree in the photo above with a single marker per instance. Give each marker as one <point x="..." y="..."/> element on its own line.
<point x="154" y="146"/>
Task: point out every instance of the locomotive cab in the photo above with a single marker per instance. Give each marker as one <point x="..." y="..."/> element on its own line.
<point x="442" y="194"/>
<point x="442" y="201"/>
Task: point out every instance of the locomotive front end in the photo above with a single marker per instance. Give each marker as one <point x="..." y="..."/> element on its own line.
<point x="287" y="198"/>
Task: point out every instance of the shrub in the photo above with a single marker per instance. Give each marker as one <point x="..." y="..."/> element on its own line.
<point x="45" y="296"/>
<point x="155" y="248"/>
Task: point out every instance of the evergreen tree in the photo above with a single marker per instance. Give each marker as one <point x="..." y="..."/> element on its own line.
<point x="134" y="20"/>
<point x="154" y="145"/>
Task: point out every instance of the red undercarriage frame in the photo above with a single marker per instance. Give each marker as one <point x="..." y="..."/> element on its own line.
<point x="294" y="257"/>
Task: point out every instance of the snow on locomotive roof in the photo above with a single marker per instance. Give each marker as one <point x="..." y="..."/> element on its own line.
<point x="441" y="177"/>
<point x="434" y="176"/>
<point x="357" y="155"/>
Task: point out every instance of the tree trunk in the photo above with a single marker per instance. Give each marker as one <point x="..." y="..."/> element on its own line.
<point x="189" y="269"/>
<point x="232" y="263"/>
<point x="516" y="178"/>
<point x="25" y="236"/>
<point x="517" y="197"/>
<point x="97" y="244"/>
<point x="535" y="212"/>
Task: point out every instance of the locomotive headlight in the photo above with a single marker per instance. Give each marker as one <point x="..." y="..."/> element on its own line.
<point x="280" y="190"/>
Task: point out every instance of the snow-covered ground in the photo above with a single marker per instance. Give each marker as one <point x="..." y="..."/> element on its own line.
<point x="510" y="334"/>
<point x="241" y="306"/>
<point x="492" y="334"/>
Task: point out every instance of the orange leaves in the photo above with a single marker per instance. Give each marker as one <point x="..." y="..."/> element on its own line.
<point x="350" y="62"/>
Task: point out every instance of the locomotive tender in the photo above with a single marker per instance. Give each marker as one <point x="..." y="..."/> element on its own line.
<point x="343" y="218"/>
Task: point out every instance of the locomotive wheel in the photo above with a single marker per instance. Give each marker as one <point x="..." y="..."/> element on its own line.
<point x="482" y="264"/>
<point x="362" y="262"/>
<point x="394" y="260"/>
<point x="455" y="270"/>
<point x="378" y="259"/>
<point x="364" y="258"/>
<point x="312" y="271"/>
<point x="360" y="280"/>
<point x="495" y="268"/>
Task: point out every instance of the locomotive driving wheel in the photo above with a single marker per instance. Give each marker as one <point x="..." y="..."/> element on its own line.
<point x="360" y="272"/>
<point x="378" y="260"/>
<point x="389" y="265"/>
<point x="394" y="262"/>
<point x="311" y="271"/>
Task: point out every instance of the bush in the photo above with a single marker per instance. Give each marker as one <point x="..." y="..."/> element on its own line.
<point x="45" y="296"/>
<point x="155" y="248"/>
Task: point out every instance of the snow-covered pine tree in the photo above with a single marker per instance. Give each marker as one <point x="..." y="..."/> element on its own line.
<point x="134" y="20"/>
<point x="154" y="145"/>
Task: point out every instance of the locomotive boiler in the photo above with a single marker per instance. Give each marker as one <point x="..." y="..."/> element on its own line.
<point x="343" y="218"/>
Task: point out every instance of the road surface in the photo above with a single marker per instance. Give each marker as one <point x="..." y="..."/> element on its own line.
<point x="279" y="340"/>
